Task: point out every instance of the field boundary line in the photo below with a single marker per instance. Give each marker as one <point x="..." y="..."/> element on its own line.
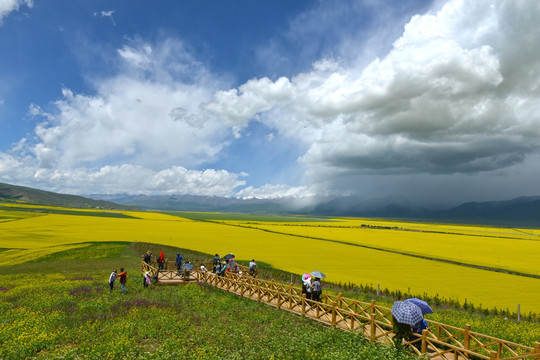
<point x="418" y="256"/>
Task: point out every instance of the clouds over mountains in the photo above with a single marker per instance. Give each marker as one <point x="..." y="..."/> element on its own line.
<point x="453" y="103"/>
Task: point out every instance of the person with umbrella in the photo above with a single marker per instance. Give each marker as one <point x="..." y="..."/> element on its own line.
<point x="405" y="314"/>
<point x="421" y="325"/>
<point x="316" y="289"/>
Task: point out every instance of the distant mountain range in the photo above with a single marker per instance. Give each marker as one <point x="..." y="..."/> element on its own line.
<point x="519" y="212"/>
<point x="13" y="193"/>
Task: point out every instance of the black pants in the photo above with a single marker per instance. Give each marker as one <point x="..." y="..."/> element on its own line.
<point x="316" y="296"/>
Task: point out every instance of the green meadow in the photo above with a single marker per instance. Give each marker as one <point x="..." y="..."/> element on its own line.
<point x="60" y="307"/>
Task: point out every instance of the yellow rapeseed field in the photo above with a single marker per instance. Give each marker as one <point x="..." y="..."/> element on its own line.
<point x="342" y="262"/>
<point x="489" y="247"/>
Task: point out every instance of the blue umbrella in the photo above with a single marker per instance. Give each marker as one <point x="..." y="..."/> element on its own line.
<point x="406" y="312"/>
<point x="426" y="309"/>
<point x="187" y="266"/>
<point x="228" y="257"/>
<point x="317" y="274"/>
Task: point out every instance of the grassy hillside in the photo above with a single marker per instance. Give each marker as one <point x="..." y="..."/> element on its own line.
<point x="13" y="193"/>
<point x="60" y="306"/>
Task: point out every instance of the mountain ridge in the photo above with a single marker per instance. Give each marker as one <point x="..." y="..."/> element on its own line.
<point x="522" y="211"/>
<point x="22" y="194"/>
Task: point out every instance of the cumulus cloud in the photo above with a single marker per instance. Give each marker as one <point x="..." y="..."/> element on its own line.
<point x="141" y="131"/>
<point x="8" y="6"/>
<point x="455" y="94"/>
<point x="150" y="113"/>
<point x="452" y="100"/>
<point x="276" y="191"/>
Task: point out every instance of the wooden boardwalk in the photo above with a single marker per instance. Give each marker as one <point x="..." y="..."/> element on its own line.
<point x="438" y="342"/>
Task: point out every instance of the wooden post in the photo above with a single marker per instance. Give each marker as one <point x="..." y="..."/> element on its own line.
<point x="537" y="350"/>
<point x="333" y="314"/>
<point x="467" y="340"/>
<point x="493" y="355"/>
<point x="378" y="290"/>
<point x="373" y="331"/>
<point x="518" y="315"/>
<point x="303" y="305"/>
<point x="290" y="295"/>
<point x="424" y="341"/>
<point x="258" y="292"/>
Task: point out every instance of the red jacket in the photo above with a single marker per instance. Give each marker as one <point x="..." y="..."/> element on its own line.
<point x="123" y="277"/>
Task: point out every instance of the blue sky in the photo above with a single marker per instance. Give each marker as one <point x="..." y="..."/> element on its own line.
<point x="432" y="101"/>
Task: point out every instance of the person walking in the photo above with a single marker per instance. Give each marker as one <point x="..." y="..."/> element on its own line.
<point x="148" y="257"/>
<point x="221" y="269"/>
<point x="161" y="260"/>
<point x="112" y="279"/>
<point x="316" y="290"/>
<point x="147" y="279"/>
<point x="252" y="267"/>
<point x="123" y="280"/>
<point x="178" y="261"/>
<point x="215" y="263"/>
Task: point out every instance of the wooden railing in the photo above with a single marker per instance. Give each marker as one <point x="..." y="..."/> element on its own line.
<point x="439" y="341"/>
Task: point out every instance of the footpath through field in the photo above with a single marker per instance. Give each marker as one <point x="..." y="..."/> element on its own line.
<point x="438" y="342"/>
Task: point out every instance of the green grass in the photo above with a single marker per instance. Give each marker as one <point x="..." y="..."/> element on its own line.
<point x="62" y="309"/>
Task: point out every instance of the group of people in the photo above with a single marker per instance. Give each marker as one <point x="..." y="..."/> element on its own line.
<point x="312" y="290"/>
<point x="122" y="278"/>
<point x="226" y="264"/>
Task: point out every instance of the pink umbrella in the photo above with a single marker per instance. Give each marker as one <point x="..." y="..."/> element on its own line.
<point x="305" y="277"/>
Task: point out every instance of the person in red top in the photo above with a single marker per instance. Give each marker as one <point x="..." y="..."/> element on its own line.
<point x="123" y="279"/>
<point x="161" y="260"/>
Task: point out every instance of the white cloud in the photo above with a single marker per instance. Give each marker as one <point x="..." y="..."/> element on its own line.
<point x="8" y="6"/>
<point x="447" y="98"/>
<point x="150" y="113"/>
<point x="140" y="131"/>
<point x="276" y="191"/>
<point x="454" y="97"/>
<point x="124" y="178"/>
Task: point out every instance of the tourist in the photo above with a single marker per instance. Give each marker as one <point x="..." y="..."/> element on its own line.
<point x="215" y="263"/>
<point x="316" y="290"/>
<point x="203" y="268"/>
<point x="252" y="267"/>
<point x="147" y="279"/>
<point x="123" y="280"/>
<point x="178" y="261"/>
<point x="148" y="257"/>
<point x="417" y="329"/>
<point x="306" y="287"/>
<point x="112" y="279"/>
<point x="161" y="260"/>
<point x="222" y="269"/>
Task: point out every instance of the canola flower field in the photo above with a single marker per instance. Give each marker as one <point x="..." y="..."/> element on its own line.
<point x="431" y="259"/>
